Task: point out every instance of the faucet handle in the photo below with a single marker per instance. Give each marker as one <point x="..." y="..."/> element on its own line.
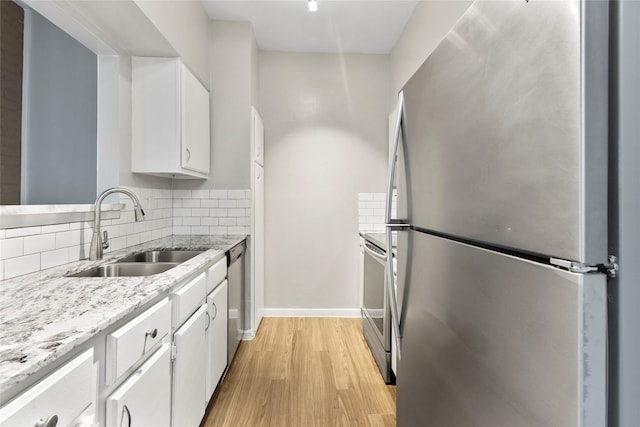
<point x="105" y="240"/>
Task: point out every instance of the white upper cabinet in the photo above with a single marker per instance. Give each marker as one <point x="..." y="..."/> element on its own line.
<point x="171" y="120"/>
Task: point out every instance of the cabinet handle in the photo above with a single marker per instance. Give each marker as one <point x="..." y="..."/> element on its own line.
<point x="151" y="333"/>
<point x="50" y="422"/>
<point x="125" y="409"/>
<point x="188" y="155"/>
<point x="208" y="321"/>
<point x="215" y="311"/>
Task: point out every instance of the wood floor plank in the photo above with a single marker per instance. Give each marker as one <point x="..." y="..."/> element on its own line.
<point x="303" y="372"/>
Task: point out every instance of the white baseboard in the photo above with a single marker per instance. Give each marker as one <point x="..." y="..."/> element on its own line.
<point x="248" y="335"/>
<point x="311" y="312"/>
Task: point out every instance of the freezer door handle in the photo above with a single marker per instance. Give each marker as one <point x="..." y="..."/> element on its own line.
<point x="392" y="224"/>
<point x="399" y="130"/>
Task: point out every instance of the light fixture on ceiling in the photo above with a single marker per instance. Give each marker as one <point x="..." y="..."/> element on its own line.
<point x="313" y="5"/>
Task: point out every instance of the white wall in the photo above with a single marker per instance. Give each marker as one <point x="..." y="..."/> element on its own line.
<point x="185" y="24"/>
<point x="429" y="23"/>
<point x="325" y="121"/>
<point x="233" y="79"/>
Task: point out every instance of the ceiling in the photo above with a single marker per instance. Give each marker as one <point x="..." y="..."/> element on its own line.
<point x="346" y="26"/>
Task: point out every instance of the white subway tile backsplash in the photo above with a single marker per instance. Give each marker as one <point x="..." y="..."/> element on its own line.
<point x="46" y="229"/>
<point x="218" y="194"/>
<point x="228" y="221"/>
<point x="29" y="249"/>
<point x="200" y="194"/>
<point x="200" y="211"/>
<point x="191" y="203"/>
<point x="11" y="248"/>
<point x="24" y="231"/>
<point x="218" y="230"/>
<point x="371" y="212"/>
<point x="133" y="239"/>
<point x="219" y="212"/>
<point x="54" y="258"/>
<point x="181" y="194"/>
<point x="228" y="204"/>
<point x="209" y="203"/>
<point x="191" y="220"/>
<point x="238" y="230"/>
<point x="236" y="194"/>
<point x="200" y="229"/>
<point x="208" y="220"/>
<point x="117" y="243"/>
<point x="181" y="212"/>
<point x="39" y="243"/>
<point x="21" y="265"/>
<point x="67" y="238"/>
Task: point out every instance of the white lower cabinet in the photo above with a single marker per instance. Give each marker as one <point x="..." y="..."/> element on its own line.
<point x="144" y="399"/>
<point x="65" y="397"/>
<point x="216" y="337"/>
<point x="189" y="377"/>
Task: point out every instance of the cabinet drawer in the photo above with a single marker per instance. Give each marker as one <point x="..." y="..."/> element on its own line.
<point x="144" y="399"/>
<point x="216" y="274"/>
<point x="129" y="343"/>
<point x="188" y="298"/>
<point x="66" y="393"/>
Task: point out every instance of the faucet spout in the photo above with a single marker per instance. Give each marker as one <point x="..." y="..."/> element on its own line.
<point x="97" y="245"/>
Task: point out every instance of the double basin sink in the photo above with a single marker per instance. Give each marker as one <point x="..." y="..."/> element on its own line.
<point x="140" y="264"/>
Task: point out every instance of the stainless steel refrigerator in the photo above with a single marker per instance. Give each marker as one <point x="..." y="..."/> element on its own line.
<point x="501" y="159"/>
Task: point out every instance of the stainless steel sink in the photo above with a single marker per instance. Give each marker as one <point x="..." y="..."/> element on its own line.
<point x="126" y="269"/>
<point x="161" y="256"/>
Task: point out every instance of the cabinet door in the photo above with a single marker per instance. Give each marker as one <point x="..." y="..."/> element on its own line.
<point x="216" y="337"/>
<point x="195" y="123"/>
<point x="145" y="398"/>
<point x="65" y="394"/>
<point x="189" y="378"/>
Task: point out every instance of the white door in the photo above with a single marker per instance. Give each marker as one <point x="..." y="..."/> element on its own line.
<point x="258" y="242"/>
<point x="257" y="222"/>
<point x="145" y="398"/>
<point x="195" y="121"/>
<point x="258" y="137"/>
<point x="216" y="337"/>
<point x="188" y="371"/>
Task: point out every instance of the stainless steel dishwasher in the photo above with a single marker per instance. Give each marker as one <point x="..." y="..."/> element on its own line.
<point x="235" y="276"/>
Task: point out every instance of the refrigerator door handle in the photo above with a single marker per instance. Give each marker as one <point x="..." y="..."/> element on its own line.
<point x="390" y="225"/>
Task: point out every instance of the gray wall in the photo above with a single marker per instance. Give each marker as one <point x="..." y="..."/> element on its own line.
<point x="429" y="23"/>
<point x="325" y="122"/>
<point x="60" y="102"/>
<point x="625" y="360"/>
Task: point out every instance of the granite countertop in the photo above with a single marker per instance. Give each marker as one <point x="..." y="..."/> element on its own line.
<point x="45" y="315"/>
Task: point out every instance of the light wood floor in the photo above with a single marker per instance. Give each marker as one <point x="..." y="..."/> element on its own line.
<point x="301" y="372"/>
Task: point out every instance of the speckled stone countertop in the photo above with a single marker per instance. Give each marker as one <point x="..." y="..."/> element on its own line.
<point x="45" y="315"/>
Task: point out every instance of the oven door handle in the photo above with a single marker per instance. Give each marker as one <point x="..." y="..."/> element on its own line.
<point x="367" y="249"/>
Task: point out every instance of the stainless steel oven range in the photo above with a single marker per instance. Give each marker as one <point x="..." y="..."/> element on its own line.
<point x="376" y="315"/>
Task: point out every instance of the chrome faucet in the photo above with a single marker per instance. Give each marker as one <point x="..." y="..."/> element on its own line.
<point x="97" y="242"/>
